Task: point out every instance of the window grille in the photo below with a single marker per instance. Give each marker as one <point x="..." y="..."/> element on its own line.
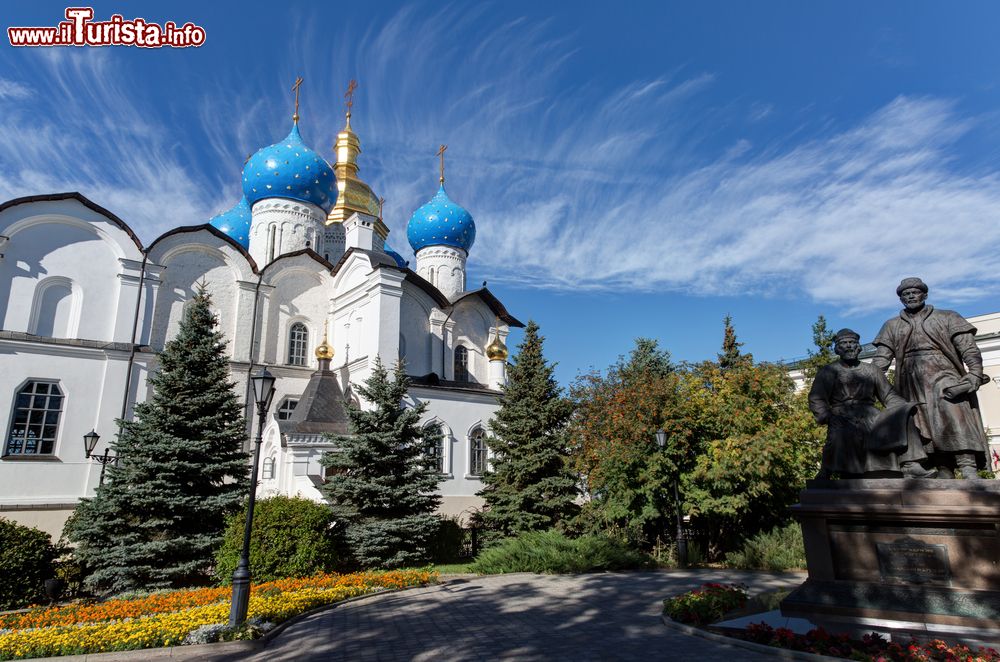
<point x="286" y="408"/>
<point x="298" y="340"/>
<point x="461" y="364"/>
<point x="478" y="452"/>
<point x="33" y="429"/>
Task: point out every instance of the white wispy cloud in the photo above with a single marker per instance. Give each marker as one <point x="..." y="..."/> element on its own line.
<point x="86" y="130"/>
<point x="11" y="89"/>
<point x="574" y="185"/>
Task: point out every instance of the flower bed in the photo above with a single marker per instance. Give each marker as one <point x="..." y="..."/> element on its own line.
<point x="164" y="619"/>
<point x="871" y="647"/>
<point x="707" y="604"/>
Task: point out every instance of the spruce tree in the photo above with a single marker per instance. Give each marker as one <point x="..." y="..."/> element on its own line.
<point x="159" y="516"/>
<point x="731" y="357"/>
<point x="529" y="486"/>
<point x="824" y="354"/>
<point x="384" y="487"/>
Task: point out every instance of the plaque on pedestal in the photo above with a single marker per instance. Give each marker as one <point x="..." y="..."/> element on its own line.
<point x="915" y="557"/>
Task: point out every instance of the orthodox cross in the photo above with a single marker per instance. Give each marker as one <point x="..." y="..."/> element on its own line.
<point x="295" y="88"/>
<point x="349" y="95"/>
<point x="440" y="153"/>
<point x="381" y="202"/>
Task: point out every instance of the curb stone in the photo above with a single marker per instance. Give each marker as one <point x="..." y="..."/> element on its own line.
<point x="774" y="651"/>
<point x="223" y="650"/>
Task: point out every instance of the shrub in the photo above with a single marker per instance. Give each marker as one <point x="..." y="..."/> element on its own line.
<point x="553" y="552"/>
<point x="780" y="548"/>
<point x="26" y="561"/>
<point x="707" y="604"/>
<point x="447" y="542"/>
<point x="291" y="537"/>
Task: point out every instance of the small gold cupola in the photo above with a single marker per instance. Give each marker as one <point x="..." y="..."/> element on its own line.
<point x="324" y="352"/>
<point x="496" y="350"/>
<point x="354" y="195"/>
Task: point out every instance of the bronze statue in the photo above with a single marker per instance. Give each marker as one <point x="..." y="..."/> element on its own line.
<point x="939" y="366"/>
<point x="861" y="440"/>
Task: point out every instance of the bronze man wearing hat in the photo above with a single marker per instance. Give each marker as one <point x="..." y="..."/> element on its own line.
<point x="860" y="440"/>
<point x="939" y="366"/>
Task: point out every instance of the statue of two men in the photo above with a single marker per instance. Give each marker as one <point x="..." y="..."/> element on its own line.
<point x="930" y="418"/>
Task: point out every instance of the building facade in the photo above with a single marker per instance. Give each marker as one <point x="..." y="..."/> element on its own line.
<point x="301" y="280"/>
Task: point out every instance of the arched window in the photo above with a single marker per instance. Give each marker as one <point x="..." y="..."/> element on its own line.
<point x="55" y="302"/>
<point x="35" y="422"/>
<point x="461" y="364"/>
<point x="271" y="241"/>
<point x="478" y="452"/>
<point x="298" y="340"/>
<point x="434" y="448"/>
<point x="267" y="471"/>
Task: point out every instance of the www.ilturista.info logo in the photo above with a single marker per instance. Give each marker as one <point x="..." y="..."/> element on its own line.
<point x="80" y="30"/>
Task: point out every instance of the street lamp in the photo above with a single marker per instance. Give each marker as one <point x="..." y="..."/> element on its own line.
<point x="263" y="391"/>
<point x="89" y="444"/>
<point x="682" y="543"/>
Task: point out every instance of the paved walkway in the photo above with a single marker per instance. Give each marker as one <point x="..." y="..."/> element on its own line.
<point x="612" y="616"/>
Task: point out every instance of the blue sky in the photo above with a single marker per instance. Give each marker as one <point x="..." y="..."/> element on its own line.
<point x="638" y="168"/>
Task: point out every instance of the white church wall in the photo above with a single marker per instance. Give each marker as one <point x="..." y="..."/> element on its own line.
<point x="414" y="327"/>
<point x="41" y="490"/>
<point x="189" y="259"/>
<point x="460" y="412"/>
<point x="299" y="295"/>
<point x="60" y="272"/>
<point x="472" y="322"/>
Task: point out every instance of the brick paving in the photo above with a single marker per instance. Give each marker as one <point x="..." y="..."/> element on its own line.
<point x="609" y="616"/>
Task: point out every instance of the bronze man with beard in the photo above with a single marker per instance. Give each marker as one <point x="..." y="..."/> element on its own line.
<point x="939" y="366"/>
<point x="860" y="440"/>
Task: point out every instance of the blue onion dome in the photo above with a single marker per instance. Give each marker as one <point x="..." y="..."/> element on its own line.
<point x="235" y="223"/>
<point x="400" y="262"/>
<point x="441" y="222"/>
<point x="290" y="169"/>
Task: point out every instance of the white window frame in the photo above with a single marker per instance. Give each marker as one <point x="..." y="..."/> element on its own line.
<point x="295" y="359"/>
<point x="478" y="429"/>
<point x="31" y="382"/>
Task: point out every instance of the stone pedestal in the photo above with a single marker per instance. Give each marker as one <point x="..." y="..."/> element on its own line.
<point x="905" y="557"/>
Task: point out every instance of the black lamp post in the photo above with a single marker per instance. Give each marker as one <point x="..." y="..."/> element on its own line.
<point x="263" y="391"/>
<point x="89" y="444"/>
<point x="682" y="543"/>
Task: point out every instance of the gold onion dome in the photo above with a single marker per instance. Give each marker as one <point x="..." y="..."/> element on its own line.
<point x="354" y="195"/>
<point x="324" y="352"/>
<point x="496" y="350"/>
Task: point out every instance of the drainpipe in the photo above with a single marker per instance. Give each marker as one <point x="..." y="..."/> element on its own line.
<point x="135" y="330"/>
<point x="253" y="335"/>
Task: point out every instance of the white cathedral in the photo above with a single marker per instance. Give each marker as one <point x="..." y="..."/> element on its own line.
<point x="302" y="281"/>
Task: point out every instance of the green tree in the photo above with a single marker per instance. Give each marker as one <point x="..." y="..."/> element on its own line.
<point x="758" y="446"/>
<point x="824" y="354"/>
<point x="529" y="486"/>
<point x="383" y="488"/>
<point x="627" y="478"/>
<point x="159" y="516"/>
<point x="731" y="357"/>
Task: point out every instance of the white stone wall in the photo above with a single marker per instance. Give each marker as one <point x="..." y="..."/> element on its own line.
<point x="280" y="226"/>
<point x="185" y="261"/>
<point x="414" y="326"/>
<point x="443" y="267"/>
<point x="298" y="292"/>
<point x="67" y="272"/>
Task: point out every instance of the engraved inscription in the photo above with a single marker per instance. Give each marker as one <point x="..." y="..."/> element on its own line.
<point x="913" y="561"/>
